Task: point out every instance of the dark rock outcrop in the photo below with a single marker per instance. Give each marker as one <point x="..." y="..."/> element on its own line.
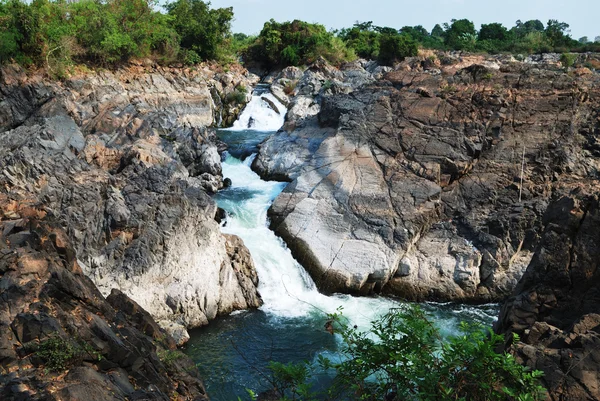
<point x="125" y="161"/>
<point x="60" y="339"/>
<point x="412" y="185"/>
<point x="556" y="306"/>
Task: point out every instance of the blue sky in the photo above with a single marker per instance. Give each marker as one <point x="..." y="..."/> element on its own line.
<point x="582" y="15"/>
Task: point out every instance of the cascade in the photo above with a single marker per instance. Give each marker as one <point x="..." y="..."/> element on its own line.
<point x="289" y="325"/>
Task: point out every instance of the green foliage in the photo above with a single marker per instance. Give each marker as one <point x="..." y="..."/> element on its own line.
<point x="169" y="357"/>
<point x="403" y="357"/>
<point x="362" y="38"/>
<point x="295" y="43"/>
<point x="395" y="47"/>
<point x="238" y="96"/>
<point x="456" y="32"/>
<point x="556" y="32"/>
<point x="290" y="87"/>
<point x="567" y="60"/>
<point x="56" y="33"/>
<point x="204" y="30"/>
<point x="290" y="381"/>
<point x="59" y="354"/>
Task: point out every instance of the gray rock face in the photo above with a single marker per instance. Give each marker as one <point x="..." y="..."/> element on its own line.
<point x="412" y="186"/>
<point x="108" y="348"/>
<point x="125" y="161"/>
<point x="555" y="308"/>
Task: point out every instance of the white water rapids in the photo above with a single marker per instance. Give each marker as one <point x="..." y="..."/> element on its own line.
<point x="232" y="351"/>
<point x="286" y="288"/>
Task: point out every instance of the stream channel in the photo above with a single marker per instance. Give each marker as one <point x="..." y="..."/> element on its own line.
<point x="233" y="352"/>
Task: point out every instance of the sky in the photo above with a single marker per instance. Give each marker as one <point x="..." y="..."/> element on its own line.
<point x="582" y="15"/>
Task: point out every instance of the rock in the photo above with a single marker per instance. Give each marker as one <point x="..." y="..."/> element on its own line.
<point x="555" y="307"/>
<point x="270" y="103"/>
<point x="279" y="92"/>
<point x="125" y="161"/>
<point x="118" y="350"/>
<point x="291" y="73"/>
<point x="421" y="172"/>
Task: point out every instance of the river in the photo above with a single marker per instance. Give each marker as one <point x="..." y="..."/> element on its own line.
<point x="232" y="352"/>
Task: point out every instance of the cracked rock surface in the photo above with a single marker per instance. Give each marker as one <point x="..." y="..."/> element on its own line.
<point x="125" y="162"/>
<point x="61" y="339"/>
<point x="411" y="184"/>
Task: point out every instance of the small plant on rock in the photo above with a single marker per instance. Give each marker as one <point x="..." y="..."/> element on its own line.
<point x="59" y="354"/>
<point x="290" y="87"/>
<point x="238" y="96"/>
<point x="568" y="60"/>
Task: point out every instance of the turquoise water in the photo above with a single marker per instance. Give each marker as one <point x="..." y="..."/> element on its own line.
<point x="232" y="352"/>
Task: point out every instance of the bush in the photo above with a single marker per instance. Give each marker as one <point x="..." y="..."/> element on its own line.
<point x="238" y="96"/>
<point x="204" y="30"/>
<point x="59" y="354"/>
<point x="567" y="60"/>
<point x="403" y="357"/>
<point x="57" y="33"/>
<point x="395" y="47"/>
<point x="290" y="87"/>
<point x="295" y="43"/>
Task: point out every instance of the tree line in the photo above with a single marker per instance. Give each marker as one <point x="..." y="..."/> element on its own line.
<point x="58" y="34"/>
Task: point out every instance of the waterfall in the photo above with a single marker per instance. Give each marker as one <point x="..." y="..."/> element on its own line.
<point x="285" y="286"/>
<point x="260" y="116"/>
<point x="289" y="325"/>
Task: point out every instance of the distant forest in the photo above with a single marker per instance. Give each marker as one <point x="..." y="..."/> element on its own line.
<point x="60" y="34"/>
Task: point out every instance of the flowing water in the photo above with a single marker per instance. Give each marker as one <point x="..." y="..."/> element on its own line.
<point x="232" y="352"/>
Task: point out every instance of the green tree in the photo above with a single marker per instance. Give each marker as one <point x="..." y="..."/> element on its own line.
<point x="203" y="30"/>
<point x="521" y="29"/>
<point x="494" y="31"/>
<point x="437" y="31"/>
<point x="363" y="38"/>
<point x="558" y="33"/>
<point x="457" y="32"/>
<point x="395" y="47"/>
<point x="295" y="43"/>
<point x="494" y="38"/>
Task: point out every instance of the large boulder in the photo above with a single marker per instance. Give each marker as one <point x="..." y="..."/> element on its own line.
<point x="60" y="339"/>
<point x="427" y="185"/>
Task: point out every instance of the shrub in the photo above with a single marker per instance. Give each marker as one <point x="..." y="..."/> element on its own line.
<point x="204" y="30"/>
<point x="238" y="96"/>
<point x="567" y="60"/>
<point x="290" y="87"/>
<point x="169" y="357"/>
<point x="395" y="47"/>
<point x="295" y="43"/>
<point x="410" y="360"/>
<point x="59" y="354"/>
<point x="403" y="357"/>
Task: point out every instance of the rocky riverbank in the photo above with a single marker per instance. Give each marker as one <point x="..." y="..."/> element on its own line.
<point x="60" y="339"/>
<point x="124" y="162"/>
<point x="428" y="182"/>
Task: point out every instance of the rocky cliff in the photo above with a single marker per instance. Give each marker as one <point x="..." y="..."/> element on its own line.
<point x="555" y="308"/>
<point x="60" y="339"/>
<point x="125" y="164"/>
<point x="429" y="181"/>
